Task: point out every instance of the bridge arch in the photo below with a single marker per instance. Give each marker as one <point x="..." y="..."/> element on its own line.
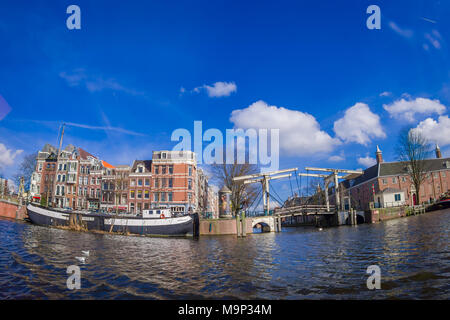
<point x="265" y="224"/>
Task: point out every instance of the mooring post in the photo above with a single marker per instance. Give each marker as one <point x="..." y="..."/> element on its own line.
<point x="243" y="223"/>
<point x="238" y="225"/>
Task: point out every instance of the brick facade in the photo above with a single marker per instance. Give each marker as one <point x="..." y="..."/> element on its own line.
<point x="80" y="180"/>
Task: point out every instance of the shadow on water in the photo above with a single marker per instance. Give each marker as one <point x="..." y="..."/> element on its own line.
<point x="297" y="263"/>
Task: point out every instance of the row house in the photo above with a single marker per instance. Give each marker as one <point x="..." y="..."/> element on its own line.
<point x="389" y="184"/>
<point x="64" y="180"/>
<point x="79" y="180"/>
<point x="174" y="180"/>
<point x="202" y="191"/>
<point x="114" y="187"/>
<point x="42" y="179"/>
<point x="140" y="187"/>
<point x="212" y="205"/>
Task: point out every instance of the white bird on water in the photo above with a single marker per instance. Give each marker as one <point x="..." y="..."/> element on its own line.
<point x="81" y="259"/>
<point x="320" y="229"/>
<point x="86" y="253"/>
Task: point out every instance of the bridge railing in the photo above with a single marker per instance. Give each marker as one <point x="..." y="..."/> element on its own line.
<point x="258" y="213"/>
<point x="304" y="208"/>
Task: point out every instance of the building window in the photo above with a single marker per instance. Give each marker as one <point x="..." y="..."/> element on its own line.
<point x="132" y="207"/>
<point x="156" y="183"/>
<point x="156" y="196"/>
<point x="169" y="196"/>
<point x="147" y="182"/>
<point x="163" y="169"/>
<point x="132" y="194"/>
<point x="163" y="196"/>
<point x="163" y="182"/>
<point x="140" y="182"/>
<point x="403" y="179"/>
<point x="190" y="184"/>
<point x="146" y="207"/>
<point x="384" y="181"/>
<point x="394" y="180"/>
<point x="140" y="169"/>
<point x="132" y="183"/>
<point x="170" y="182"/>
<point x="170" y="169"/>
<point x="147" y="194"/>
<point x="398" y="197"/>
<point x="190" y="171"/>
<point x="139" y="194"/>
<point x="156" y="170"/>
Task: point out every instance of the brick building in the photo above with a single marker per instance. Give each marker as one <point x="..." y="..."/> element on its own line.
<point x="140" y="186"/>
<point x="174" y="180"/>
<point x="79" y="180"/>
<point x="388" y="184"/>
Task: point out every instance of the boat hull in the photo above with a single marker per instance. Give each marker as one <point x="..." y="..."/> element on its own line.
<point x="180" y="226"/>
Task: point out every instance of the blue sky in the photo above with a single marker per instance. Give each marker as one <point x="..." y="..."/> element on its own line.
<point x="134" y="67"/>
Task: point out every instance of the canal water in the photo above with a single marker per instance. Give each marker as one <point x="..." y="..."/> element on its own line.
<point x="303" y="263"/>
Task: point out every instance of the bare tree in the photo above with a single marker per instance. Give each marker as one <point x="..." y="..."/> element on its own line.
<point x="413" y="148"/>
<point x="242" y="195"/>
<point x="316" y="191"/>
<point x="26" y="169"/>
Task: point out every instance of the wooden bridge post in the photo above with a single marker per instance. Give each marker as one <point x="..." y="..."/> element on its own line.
<point x="238" y="225"/>
<point x="243" y="223"/>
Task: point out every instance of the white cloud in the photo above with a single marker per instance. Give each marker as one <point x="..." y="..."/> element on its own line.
<point x="406" y="33"/>
<point x="407" y="109"/>
<point x="336" y="158"/>
<point x="218" y="89"/>
<point x="436" y="131"/>
<point x="385" y="94"/>
<point x="300" y="132"/>
<point x="359" y="124"/>
<point x="367" y="161"/>
<point x="7" y="156"/>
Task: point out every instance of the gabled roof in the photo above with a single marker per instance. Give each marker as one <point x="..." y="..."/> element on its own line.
<point x="84" y="154"/>
<point x="146" y="163"/>
<point x="367" y="175"/>
<point x="391" y="190"/>
<point x="107" y="165"/>
<point x="401" y="167"/>
<point x="395" y="168"/>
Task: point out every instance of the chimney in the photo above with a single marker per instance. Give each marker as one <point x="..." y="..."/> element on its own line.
<point x="378" y="155"/>
<point x="438" y="152"/>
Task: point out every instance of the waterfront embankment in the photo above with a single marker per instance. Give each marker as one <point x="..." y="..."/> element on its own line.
<point x="12" y="210"/>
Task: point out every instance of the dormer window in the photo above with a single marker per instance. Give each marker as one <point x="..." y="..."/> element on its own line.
<point x="164" y="155"/>
<point x="140" y="169"/>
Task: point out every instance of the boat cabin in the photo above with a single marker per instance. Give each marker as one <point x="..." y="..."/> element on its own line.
<point x="157" y="213"/>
